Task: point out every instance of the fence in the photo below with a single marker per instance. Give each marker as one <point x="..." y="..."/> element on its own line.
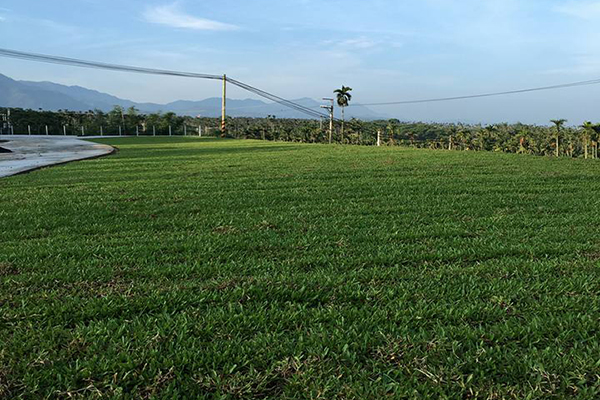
<point x="139" y="130"/>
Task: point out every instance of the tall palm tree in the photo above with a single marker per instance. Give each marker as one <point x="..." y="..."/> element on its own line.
<point x="559" y="124"/>
<point x="343" y="98"/>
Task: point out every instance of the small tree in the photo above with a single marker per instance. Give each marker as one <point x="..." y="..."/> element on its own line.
<point x="115" y="117"/>
<point x="588" y="129"/>
<point x="559" y="124"/>
<point x="595" y="136"/>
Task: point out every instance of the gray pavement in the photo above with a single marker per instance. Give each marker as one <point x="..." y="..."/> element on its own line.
<point x="33" y="152"/>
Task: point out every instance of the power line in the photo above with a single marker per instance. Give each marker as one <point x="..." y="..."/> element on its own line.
<point x="99" y="65"/>
<point x="287" y="103"/>
<point x="153" y="71"/>
<point x="276" y="99"/>
<point x="475" y="96"/>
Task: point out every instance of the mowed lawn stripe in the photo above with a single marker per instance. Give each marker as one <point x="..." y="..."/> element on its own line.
<point x="212" y="268"/>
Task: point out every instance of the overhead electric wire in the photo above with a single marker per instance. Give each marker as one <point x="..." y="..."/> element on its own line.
<point x="100" y="65"/>
<point x="153" y="71"/>
<point x="276" y="99"/>
<point x="475" y="96"/>
<point x="285" y="103"/>
<point x="290" y="104"/>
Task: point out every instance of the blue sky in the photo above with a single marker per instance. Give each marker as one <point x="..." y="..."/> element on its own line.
<point x="386" y="50"/>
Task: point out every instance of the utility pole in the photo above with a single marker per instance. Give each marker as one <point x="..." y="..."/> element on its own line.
<point x="330" y="109"/>
<point x="223" y="106"/>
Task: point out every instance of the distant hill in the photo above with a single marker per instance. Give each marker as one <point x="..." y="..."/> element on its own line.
<point x="52" y="96"/>
<point x="17" y="94"/>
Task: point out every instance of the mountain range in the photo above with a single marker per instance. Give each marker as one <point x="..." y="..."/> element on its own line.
<point x="52" y="97"/>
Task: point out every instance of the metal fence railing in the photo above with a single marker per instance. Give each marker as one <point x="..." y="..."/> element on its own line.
<point x="101" y="130"/>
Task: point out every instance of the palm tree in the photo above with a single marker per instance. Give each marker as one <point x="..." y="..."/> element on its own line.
<point x="595" y="135"/>
<point x="559" y="124"/>
<point x="588" y="129"/>
<point x="343" y="98"/>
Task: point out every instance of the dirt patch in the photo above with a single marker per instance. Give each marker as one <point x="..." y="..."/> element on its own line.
<point x="592" y="255"/>
<point x="8" y="270"/>
<point x="224" y="229"/>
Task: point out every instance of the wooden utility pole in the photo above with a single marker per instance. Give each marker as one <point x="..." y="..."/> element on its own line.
<point x="224" y="105"/>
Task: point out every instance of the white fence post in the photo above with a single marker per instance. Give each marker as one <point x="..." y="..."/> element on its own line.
<point x="170" y="133"/>
<point x="120" y="132"/>
<point x="29" y="129"/>
<point x="137" y="130"/>
<point x="101" y="131"/>
<point x="64" y="130"/>
<point x="83" y="131"/>
<point x="46" y="129"/>
<point x="153" y="130"/>
<point x="184" y="130"/>
<point x="378" y="138"/>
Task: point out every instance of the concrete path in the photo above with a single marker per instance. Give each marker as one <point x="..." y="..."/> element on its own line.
<point x="33" y="152"/>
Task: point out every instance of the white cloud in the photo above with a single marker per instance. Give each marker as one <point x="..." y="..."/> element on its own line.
<point x="587" y="65"/>
<point x="171" y="15"/>
<point x="2" y="18"/>
<point x="581" y="9"/>
<point x="57" y="26"/>
<point x="359" y="43"/>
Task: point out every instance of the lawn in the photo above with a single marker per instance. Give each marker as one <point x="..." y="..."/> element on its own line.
<point x="207" y="268"/>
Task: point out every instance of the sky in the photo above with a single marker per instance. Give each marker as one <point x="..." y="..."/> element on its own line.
<point x="386" y="50"/>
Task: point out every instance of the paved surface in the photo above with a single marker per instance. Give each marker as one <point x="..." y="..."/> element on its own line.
<point x="33" y="152"/>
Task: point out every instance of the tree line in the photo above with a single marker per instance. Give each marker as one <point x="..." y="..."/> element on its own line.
<point x="126" y="121"/>
<point x="557" y="139"/>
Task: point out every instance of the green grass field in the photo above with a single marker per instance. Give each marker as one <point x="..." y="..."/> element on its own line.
<point x="188" y="268"/>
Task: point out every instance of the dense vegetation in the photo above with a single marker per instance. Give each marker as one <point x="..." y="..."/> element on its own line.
<point x="516" y="138"/>
<point x="213" y="268"/>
